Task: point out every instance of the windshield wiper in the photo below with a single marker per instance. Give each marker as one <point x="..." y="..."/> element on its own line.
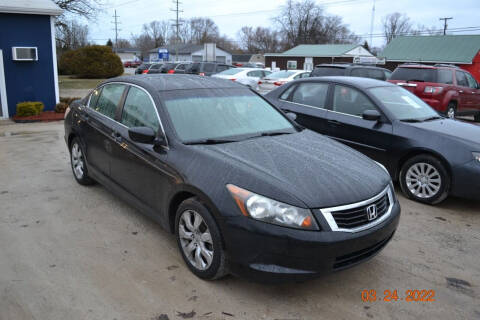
<point x="432" y="118"/>
<point x="411" y="120"/>
<point x="210" y="141"/>
<point x="273" y="133"/>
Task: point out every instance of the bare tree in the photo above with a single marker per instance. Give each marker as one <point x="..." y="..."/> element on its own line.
<point x="72" y="35"/>
<point x="259" y="40"/>
<point x="203" y="30"/>
<point x="124" y="43"/>
<point x="304" y="22"/>
<point x="158" y="31"/>
<point x="427" y="31"/>
<point x="144" y="42"/>
<point x="396" y="24"/>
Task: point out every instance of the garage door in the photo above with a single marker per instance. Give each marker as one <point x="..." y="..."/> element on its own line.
<point x="3" y="91"/>
<point x="221" y="59"/>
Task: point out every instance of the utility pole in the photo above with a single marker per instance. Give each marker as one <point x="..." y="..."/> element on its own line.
<point x="177" y="25"/>
<point x="445" y="24"/>
<point x="371" y="25"/>
<point x="116" y="23"/>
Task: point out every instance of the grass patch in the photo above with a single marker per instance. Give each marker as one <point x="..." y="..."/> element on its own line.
<point x="69" y="82"/>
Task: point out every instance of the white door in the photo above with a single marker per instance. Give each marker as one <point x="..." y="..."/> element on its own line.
<point x="3" y="90"/>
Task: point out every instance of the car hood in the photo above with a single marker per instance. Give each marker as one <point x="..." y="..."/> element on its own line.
<point x="458" y="130"/>
<point x="305" y="166"/>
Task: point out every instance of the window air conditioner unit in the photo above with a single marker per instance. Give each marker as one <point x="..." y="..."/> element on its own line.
<point x="24" y="53"/>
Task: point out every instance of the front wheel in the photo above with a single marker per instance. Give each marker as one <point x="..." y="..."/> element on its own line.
<point x="199" y="240"/>
<point x="424" y="178"/>
<point x="77" y="160"/>
<point x="451" y="110"/>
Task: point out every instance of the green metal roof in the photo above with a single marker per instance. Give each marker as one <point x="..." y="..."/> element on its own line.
<point x="316" y="50"/>
<point x="448" y="48"/>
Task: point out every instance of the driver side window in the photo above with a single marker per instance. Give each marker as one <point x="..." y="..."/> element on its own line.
<point x="350" y="101"/>
<point x="139" y="111"/>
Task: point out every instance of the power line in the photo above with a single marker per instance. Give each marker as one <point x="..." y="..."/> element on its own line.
<point x="445" y="24"/>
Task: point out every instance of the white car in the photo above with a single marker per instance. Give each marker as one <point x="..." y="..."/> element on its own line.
<point x="276" y="79"/>
<point x="246" y="76"/>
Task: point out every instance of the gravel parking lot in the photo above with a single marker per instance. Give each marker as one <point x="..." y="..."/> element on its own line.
<point x="73" y="252"/>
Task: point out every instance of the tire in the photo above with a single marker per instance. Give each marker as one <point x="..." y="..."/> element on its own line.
<point x="78" y="164"/>
<point x="194" y="246"/>
<point x="431" y="172"/>
<point x="451" y="110"/>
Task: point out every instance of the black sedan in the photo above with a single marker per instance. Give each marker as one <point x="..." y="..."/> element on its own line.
<point x="244" y="189"/>
<point x="430" y="155"/>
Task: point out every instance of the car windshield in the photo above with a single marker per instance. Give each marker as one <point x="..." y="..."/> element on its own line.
<point x="403" y="104"/>
<point x="414" y="74"/>
<point x="328" y="71"/>
<point x="230" y="72"/>
<point x="234" y="114"/>
<point x="281" y="74"/>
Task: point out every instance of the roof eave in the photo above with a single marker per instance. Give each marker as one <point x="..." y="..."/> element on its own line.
<point x="425" y="61"/>
<point x="18" y="10"/>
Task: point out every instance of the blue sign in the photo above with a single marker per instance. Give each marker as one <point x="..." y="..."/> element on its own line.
<point x="163" y="54"/>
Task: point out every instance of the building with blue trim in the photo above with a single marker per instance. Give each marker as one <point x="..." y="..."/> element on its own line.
<point x="28" y="60"/>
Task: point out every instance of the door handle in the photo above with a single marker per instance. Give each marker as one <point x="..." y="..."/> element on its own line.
<point x="334" y="122"/>
<point x="116" y="136"/>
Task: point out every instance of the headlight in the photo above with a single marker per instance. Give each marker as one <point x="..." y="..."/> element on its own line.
<point x="476" y="156"/>
<point x="267" y="210"/>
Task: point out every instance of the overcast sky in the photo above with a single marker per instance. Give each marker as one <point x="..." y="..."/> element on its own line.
<point x="231" y="15"/>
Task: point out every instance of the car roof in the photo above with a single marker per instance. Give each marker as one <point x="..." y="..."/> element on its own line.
<point x="348" y="65"/>
<point x="166" y="82"/>
<point x="359" y="82"/>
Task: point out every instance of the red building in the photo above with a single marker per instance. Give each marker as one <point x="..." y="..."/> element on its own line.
<point x="460" y="50"/>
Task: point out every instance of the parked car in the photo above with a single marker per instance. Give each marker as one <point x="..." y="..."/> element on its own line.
<point x="155" y="68"/>
<point x="431" y="156"/>
<point x="446" y="88"/>
<point x="143" y="68"/>
<point x="246" y="76"/>
<point x="276" y="79"/>
<point x="207" y="68"/>
<point x="352" y="70"/>
<point x="234" y="178"/>
<point x="132" y="64"/>
<point x="174" y="67"/>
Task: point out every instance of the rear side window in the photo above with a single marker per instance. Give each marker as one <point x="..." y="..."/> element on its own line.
<point x="208" y="67"/>
<point x="376" y="74"/>
<point x="311" y="94"/>
<point x="327" y="71"/>
<point x="461" y="79"/>
<point x="350" y="101"/>
<point x="221" y="68"/>
<point x="181" y="67"/>
<point x="139" y="110"/>
<point x="156" y="66"/>
<point x="109" y="99"/>
<point x="414" y="74"/>
<point x="472" y="83"/>
<point x="445" y="76"/>
<point x="194" y="68"/>
<point x="255" y="73"/>
<point x="359" y="72"/>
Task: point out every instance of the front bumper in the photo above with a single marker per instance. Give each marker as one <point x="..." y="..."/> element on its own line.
<point x="269" y="253"/>
<point x="466" y="181"/>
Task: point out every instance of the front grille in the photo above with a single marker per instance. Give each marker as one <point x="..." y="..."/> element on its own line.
<point x="357" y="217"/>
<point x="360" y="255"/>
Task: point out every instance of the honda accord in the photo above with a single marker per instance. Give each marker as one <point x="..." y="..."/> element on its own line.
<point x="244" y="188"/>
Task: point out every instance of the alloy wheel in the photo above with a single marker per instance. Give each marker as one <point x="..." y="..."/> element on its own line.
<point x="195" y="239"/>
<point x="423" y="180"/>
<point x="77" y="161"/>
<point x="451" y="113"/>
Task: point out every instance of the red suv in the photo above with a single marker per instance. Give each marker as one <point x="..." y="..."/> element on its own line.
<point x="446" y="88"/>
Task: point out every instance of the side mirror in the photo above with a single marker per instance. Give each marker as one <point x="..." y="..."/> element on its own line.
<point x="142" y="134"/>
<point x="292" y="116"/>
<point x="371" y="115"/>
